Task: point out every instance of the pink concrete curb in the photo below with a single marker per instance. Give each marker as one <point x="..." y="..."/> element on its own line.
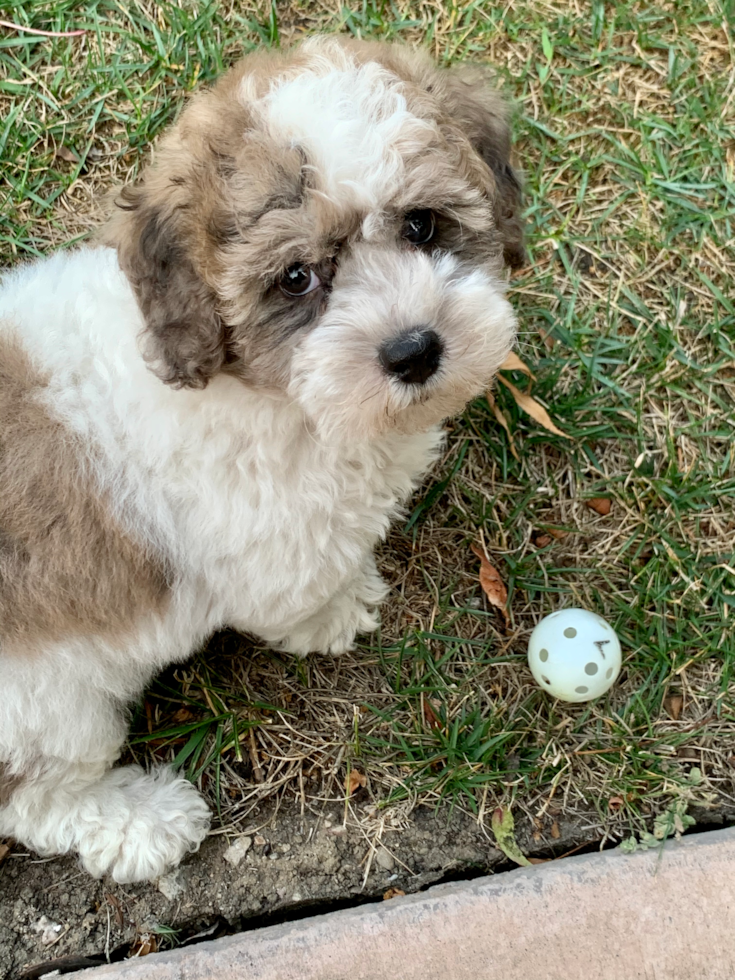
<point x="654" y="916"/>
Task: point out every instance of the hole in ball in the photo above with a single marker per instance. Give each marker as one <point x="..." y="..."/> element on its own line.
<point x="581" y="689"/>
<point x="543" y="655"/>
<point x="570" y="632"/>
<point x="609" y="673"/>
<point x="545" y="679"/>
<point x="591" y="668"/>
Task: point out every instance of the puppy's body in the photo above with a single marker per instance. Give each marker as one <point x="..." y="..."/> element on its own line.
<point x="213" y="421"/>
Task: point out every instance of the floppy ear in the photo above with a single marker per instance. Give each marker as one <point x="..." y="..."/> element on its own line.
<point x="483" y="114"/>
<point x="186" y="341"/>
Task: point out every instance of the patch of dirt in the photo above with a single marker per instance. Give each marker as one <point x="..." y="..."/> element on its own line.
<point x="294" y="865"/>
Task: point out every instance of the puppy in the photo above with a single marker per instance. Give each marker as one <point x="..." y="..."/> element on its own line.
<point x="210" y="417"/>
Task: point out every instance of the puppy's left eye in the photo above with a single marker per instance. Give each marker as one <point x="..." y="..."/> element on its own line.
<point x="419" y="227"/>
<point x="298" y="280"/>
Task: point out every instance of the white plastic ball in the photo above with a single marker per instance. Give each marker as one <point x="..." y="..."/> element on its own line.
<point x="574" y="655"/>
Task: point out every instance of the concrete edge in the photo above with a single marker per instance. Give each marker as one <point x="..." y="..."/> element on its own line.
<point x="665" y="914"/>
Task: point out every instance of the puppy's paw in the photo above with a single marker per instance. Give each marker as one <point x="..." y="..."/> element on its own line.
<point x="142" y="825"/>
<point x="330" y="633"/>
<point x="334" y="628"/>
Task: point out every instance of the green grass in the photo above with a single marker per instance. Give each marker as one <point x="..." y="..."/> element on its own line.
<point x="625" y="126"/>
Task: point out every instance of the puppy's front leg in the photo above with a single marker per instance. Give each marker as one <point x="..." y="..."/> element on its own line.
<point x="334" y="627"/>
<point x="58" y="793"/>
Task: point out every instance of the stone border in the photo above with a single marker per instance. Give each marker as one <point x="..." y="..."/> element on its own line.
<point x="667" y="914"/>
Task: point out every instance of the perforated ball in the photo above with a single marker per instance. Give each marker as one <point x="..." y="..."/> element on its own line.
<point x="574" y="655"/>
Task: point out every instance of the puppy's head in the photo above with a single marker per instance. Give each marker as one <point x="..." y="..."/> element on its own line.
<point x="331" y="222"/>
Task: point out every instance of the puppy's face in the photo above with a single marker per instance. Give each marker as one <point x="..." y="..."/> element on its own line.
<point x="331" y="223"/>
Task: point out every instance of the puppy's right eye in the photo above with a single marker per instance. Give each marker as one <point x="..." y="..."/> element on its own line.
<point x="419" y="227"/>
<point x="298" y="280"/>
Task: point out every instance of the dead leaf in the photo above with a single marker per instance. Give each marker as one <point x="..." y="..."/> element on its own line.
<point x="533" y="408"/>
<point x="547" y="338"/>
<point x="555" y="832"/>
<point x="183" y="715"/>
<point x="355" y="780"/>
<point x="492" y="584"/>
<point x="615" y="802"/>
<point x="116" y="904"/>
<point x="430" y="716"/>
<point x="143" y="945"/>
<point x="393" y="893"/>
<point x="66" y="154"/>
<point x="673" y="705"/>
<point x="500" y="417"/>
<point x="539" y="860"/>
<point x="557" y="533"/>
<point x="601" y="505"/>
<point x="544" y="537"/>
<point x="4" y="851"/>
<point x="514" y="363"/>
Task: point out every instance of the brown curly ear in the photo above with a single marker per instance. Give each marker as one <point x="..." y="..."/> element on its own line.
<point x="483" y="114"/>
<point x="186" y="337"/>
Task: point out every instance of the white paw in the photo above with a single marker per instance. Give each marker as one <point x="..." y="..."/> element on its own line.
<point x="333" y="635"/>
<point x="140" y="825"/>
<point x="333" y="629"/>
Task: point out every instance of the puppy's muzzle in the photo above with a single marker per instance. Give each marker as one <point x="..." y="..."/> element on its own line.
<point x="413" y="356"/>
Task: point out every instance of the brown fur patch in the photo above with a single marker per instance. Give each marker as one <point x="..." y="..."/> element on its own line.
<point x="483" y="115"/>
<point x="66" y="566"/>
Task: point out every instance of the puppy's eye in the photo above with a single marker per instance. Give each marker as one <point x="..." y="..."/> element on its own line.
<point x="419" y="227"/>
<point x="298" y="280"/>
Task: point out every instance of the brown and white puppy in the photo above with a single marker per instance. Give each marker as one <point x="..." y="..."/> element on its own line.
<point x="254" y="364"/>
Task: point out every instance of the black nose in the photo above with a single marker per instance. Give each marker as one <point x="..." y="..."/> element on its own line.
<point x="413" y="356"/>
